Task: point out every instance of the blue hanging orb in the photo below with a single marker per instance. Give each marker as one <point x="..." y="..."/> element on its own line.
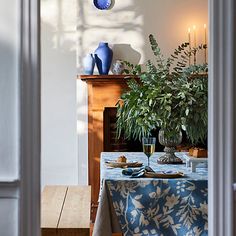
<point x="102" y="4"/>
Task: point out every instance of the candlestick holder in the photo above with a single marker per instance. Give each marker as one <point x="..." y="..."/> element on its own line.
<point x="194" y="56"/>
<point x="205" y="52"/>
<point x="189" y="56"/>
<point x="189" y="59"/>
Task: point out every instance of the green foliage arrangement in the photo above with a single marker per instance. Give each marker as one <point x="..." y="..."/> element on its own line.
<point x="131" y="69"/>
<point x="170" y="95"/>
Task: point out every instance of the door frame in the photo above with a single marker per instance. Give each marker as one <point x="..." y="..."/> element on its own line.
<point x="221" y="117"/>
<point x="221" y="127"/>
<point x="30" y="116"/>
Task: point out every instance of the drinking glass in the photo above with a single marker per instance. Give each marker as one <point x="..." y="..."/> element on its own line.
<point x="148" y="146"/>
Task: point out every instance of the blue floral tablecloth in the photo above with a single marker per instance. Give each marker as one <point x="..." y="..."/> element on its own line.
<point x="147" y="206"/>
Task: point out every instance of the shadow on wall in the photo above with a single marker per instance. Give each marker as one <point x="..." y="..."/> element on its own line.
<point x="80" y="29"/>
<point x="58" y="69"/>
<point x="117" y="26"/>
<point x="121" y="51"/>
<point x="113" y="2"/>
<point x="169" y="21"/>
<point x="131" y="22"/>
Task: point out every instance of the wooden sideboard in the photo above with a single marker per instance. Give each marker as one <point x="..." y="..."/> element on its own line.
<point x="103" y="91"/>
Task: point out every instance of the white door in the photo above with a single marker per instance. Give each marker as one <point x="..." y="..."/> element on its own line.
<point x="19" y="118"/>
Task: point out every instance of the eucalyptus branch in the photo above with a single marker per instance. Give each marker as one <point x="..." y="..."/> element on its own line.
<point x="168" y="97"/>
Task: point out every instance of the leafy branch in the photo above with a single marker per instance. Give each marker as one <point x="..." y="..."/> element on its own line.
<point x="131" y="69"/>
<point x="165" y="97"/>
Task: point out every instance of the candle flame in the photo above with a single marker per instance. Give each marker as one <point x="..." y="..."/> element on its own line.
<point x="205" y="26"/>
<point x="189" y="30"/>
<point x="194" y="27"/>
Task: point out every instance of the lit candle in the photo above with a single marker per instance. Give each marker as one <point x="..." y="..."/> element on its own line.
<point x="189" y="41"/>
<point x="189" y="37"/>
<point x="195" y="36"/>
<point x="205" y="43"/>
<point x="205" y="34"/>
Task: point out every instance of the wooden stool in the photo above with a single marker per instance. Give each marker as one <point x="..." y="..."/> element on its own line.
<point x="65" y="211"/>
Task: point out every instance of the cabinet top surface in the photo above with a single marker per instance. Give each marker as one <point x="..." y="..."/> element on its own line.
<point x="105" y="78"/>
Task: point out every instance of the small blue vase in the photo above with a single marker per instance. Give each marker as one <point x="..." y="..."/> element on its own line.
<point x="88" y="64"/>
<point x="103" y="58"/>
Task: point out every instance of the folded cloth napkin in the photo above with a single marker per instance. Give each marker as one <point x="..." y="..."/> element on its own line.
<point x="136" y="173"/>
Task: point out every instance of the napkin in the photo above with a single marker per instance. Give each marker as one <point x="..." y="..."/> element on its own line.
<point x="136" y="173"/>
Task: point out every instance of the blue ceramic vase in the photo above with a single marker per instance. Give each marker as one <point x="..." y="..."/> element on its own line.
<point x="88" y="64"/>
<point x="103" y="58"/>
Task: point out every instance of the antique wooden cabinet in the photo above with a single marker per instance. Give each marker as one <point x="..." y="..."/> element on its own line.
<point x="103" y="92"/>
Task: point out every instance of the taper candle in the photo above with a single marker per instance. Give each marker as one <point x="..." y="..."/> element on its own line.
<point x="189" y="41"/>
<point x="205" y="43"/>
<point x="189" y="37"/>
<point x="195" y="45"/>
<point x="195" y="36"/>
<point x="205" y="34"/>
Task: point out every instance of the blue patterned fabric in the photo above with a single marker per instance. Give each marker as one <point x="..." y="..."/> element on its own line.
<point x="167" y="207"/>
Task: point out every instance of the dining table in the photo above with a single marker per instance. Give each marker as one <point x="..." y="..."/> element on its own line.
<point x="151" y="206"/>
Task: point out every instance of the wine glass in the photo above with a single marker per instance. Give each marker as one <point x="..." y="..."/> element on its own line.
<point x="148" y="146"/>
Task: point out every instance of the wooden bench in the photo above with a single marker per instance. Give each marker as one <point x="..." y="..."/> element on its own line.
<point x="65" y="211"/>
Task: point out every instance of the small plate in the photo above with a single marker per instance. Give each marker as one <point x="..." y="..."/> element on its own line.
<point x="164" y="174"/>
<point x="116" y="164"/>
<point x="102" y="4"/>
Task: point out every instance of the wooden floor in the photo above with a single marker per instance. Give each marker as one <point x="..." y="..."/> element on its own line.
<point x="65" y="210"/>
<point x="61" y="211"/>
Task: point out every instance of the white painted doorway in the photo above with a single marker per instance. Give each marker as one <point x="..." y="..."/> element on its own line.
<point x="222" y="120"/>
<point x="20" y="118"/>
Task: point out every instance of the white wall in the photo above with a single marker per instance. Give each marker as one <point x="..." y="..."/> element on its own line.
<point x="70" y="30"/>
<point x="59" y="139"/>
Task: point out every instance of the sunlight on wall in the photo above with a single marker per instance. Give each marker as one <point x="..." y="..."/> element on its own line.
<point x="59" y="136"/>
<point x="119" y="26"/>
<point x="61" y="17"/>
